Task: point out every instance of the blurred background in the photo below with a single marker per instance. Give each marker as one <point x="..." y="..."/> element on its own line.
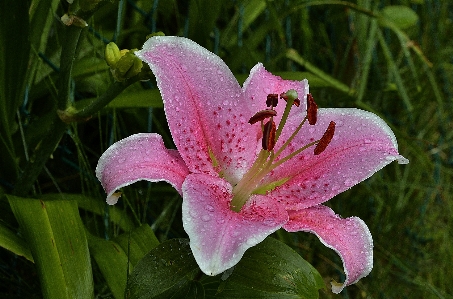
<point x="393" y="58"/>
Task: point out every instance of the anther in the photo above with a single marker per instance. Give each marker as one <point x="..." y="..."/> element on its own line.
<point x="285" y="97"/>
<point x="325" y="139"/>
<point x="312" y="110"/>
<point x="272" y="100"/>
<point x="269" y="135"/>
<point x="262" y="115"/>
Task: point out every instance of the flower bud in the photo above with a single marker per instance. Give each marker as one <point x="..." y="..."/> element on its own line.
<point x="126" y="67"/>
<point x="112" y="54"/>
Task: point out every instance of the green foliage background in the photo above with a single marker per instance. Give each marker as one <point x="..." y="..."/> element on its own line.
<point x="394" y="58"/>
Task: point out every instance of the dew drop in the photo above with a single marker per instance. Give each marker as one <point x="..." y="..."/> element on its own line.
<point x="121" y="160"/>
<point x="268" y="222"/>
<point x="350" y="182"/>
<point x="209" y="208"/>
<point x="206" y="218"/>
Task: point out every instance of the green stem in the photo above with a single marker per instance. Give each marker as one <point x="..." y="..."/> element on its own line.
<point x="72" y="115"/>
<point x="68" y="53"/>
<point x="57" y="127"/>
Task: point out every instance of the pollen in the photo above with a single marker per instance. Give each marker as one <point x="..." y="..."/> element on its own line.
<point x="312" y="110"/>
<point x="325" y="139"/>
<point x="272" y="100"/>
<point x="262" y="115"/>
<point x="269" y="135"/>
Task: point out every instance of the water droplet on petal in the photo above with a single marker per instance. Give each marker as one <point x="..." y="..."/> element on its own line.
<point x="268" y="222"/>
<point x="209" y="208"/>
<point x="206" y="218"/>
<point x="350" y="182"/>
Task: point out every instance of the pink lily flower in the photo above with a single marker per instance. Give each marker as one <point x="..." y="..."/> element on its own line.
<point x="239" y="181"/>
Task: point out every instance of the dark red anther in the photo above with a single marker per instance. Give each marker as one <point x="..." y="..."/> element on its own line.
<point x="312" y="110"/>
<point x="285" y="97"/>
<point x="262" y="115"/>
<point x="272" y="100"/>
<point x="325" y="139"/>
<point x="269" y="135"/>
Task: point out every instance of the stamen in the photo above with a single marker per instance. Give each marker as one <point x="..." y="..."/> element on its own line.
<point x="285" y="97"/>
<point x="325" y="139"/>
<point x="272" y="100"/>
<point x="262" y="115"/>
<point x="269" y="135"/>
<point x="312" y="110"/>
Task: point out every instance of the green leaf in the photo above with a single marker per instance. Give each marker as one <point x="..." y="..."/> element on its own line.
<point x="329" y="80"/>
<point x="56" y="237"/>
<point x="10" y="241"/>
<point x="205" y="12"/>
<point x="41" y="18"/>
<point x="138" y="242"/>
<point x="15" y="48"/>
<point x="401" y="16"/>
<point x="117" y="258"/>
<point x="112" y="260"/>
<point x="269" y="270"/>
<point x="143" y="98"/>
<point x="167" y="271"/>
<point x="397" y="79"/>
<point x="272" y="270"/>
<point x="96" y="206"/>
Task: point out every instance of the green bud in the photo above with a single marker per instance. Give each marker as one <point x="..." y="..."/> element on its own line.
<point x="135" y="68"/>
<point x="112" y="54"/>
<point x="127" y="67"/>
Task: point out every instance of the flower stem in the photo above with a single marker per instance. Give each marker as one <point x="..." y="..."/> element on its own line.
<point x="68" y="53"/>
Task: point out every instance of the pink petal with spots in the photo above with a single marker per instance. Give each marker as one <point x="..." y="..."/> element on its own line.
<point x="349" y="237"/>
<point x="139" y="157"/>
<point x="260" y="83"/>
<point x="362" y="145"/>
<point x="218" y="236"/>
<point x="205" y="107"/>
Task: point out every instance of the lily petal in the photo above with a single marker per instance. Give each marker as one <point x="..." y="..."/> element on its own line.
<point x="139" y="157"/>
<point x="204" y="105"/>
<point x="218" y="236"/>
<point x="260" y="83"/>
<point x="363" y="144"/>
<point x="349" y="237"/>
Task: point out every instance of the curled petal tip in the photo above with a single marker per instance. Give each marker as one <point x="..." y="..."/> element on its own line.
<point x="113" y="199"/>
<point x="402" y="160"/>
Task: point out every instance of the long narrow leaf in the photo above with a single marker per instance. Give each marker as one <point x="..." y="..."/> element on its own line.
<point x="56" y="237"/>
<point x="294" y="55"/>
<point x="10" y="241"/>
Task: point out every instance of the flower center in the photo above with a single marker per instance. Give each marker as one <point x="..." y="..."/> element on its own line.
<point x="251" y="182"/>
